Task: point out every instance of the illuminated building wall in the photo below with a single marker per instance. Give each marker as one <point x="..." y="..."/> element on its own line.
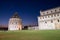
<point x="15" y="23"/>
<point x="49" y="19"/>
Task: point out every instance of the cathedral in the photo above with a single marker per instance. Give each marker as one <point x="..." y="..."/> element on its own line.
<point x="49" y="19"/>
<point x="15" y="23"/>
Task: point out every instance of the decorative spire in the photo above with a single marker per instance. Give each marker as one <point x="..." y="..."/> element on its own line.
<point x="15" y="15"/>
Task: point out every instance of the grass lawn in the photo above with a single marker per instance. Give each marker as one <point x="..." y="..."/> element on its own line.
<point x="30" y="35"/>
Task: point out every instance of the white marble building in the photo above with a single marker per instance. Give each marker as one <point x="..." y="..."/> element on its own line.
<point x="49" y="19"/>
<point x="33" y="28"/>
<point x="15" y="23"/>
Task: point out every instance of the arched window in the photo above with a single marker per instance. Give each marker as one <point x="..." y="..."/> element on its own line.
<point x="48" y="16"/>
<point x="47" y="12"/>
<point x="57" y="14"/>
<point x="58" y="20"/>
<point x="51" y="21"/>
<point x="12" y="23"/>
<point x="59" y="9"/>
<point x="45" y="22"/>
<point x="45" y="16"/>
<point x="40" y="17"/>
<point x="51" y="15"/>
<point x="55" y="10"/>
<point x="51" y="11"/>
<point x="16" y="22"/>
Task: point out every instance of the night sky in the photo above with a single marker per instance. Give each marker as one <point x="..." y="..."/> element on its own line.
<point x="28" y="10"/>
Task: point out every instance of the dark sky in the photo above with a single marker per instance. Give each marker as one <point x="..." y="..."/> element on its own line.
<point x="28" y="10"/>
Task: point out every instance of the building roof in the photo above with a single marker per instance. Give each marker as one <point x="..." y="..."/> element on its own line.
<point x="15" y="15"/>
